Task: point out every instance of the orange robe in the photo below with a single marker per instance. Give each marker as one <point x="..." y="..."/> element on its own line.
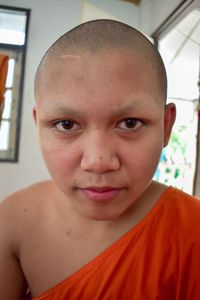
<point x="158" y="259"/>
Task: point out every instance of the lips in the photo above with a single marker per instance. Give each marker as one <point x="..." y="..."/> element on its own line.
<point x="99" y="194"/>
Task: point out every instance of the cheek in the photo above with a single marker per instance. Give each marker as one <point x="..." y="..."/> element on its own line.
<point x="60" y="159"/>
<point x="143" y="158"/>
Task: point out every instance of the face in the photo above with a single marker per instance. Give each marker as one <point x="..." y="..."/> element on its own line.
<point x="102" y="126"/>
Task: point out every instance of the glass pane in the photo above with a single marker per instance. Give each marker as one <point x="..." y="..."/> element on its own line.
<point x="10" y="75"/>
<point x="7" y="105"/>
<point x="4" y="135"/>
<point x="12" y="27"/>
<point x="180" y="50"/>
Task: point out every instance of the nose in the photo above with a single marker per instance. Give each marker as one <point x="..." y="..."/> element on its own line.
<point x="99" y="154"/>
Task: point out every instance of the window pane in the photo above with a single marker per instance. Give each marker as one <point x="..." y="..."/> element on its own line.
<point x="12" y="27"/>
<point x="180" y="50"/>
<point x="4" y="135"/>
<point x="7" y="105"/>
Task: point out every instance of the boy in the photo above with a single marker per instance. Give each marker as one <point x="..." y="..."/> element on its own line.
<point x="101" y="229"/>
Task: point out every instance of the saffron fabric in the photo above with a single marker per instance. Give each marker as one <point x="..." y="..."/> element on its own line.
<point x="157" y="259"/>
<point x="3" y="74"/>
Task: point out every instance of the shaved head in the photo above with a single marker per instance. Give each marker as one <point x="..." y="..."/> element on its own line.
<point x="105" y="35"/>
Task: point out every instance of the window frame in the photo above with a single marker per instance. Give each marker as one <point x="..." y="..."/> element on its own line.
<point x="175" y="17"/>
<point x="23" y="50"/>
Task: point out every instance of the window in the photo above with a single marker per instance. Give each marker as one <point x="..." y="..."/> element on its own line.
<point x="180" y="48"/>
<point x="13" y="41"/>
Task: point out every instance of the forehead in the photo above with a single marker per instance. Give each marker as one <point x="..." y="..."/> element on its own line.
<point x="111" y="77"/>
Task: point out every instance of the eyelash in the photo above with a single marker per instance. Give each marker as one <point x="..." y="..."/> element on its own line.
<point x="135" y="123"/>
<point x="72" y="123"/>
<point x="64" y="121"/>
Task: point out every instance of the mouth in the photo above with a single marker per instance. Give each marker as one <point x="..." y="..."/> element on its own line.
<point x="101" y="194"/>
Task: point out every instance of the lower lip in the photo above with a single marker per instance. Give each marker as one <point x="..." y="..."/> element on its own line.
<point x="101" y="196"/>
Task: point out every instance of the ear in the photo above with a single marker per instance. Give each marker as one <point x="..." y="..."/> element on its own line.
<point x="34" y="112"/>
<point x="169" y="119"/>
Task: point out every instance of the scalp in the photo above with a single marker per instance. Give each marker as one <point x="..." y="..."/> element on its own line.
<point x="100" y="35"/>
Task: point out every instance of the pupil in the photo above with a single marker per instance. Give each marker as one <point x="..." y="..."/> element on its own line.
<point x="130" y="123"/>
<point x="67" y="124"/>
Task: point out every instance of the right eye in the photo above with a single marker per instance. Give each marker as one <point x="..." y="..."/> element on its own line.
<point x="130" y="124"/>
<point x="67" y="125"/>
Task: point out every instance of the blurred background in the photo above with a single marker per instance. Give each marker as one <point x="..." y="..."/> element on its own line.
<point x="28" y="28"/>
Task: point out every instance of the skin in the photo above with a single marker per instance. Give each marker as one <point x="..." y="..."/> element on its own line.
<point x="98" y="93"/>
<point x="100" y="150"/>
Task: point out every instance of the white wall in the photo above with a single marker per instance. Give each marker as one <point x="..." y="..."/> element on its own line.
<point x="161" y="9"/>
<point x="136" y="16"/>
<point x="49" y="19"/>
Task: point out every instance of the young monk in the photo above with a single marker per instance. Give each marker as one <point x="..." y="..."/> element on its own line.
<point x="101" y="228"/>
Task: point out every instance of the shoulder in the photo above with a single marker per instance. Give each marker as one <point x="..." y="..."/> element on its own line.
<point x="14" y="207"/>
<point x="183" y="211"/>
<point x="185" y="203"/>
<point x="31" y="197"/>
<point x="186" y="229"/>
<point x="27" y="195"/>
<point x="17" y="212"/>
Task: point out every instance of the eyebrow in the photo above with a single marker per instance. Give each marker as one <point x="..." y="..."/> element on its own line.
<point x="62" y="111"/>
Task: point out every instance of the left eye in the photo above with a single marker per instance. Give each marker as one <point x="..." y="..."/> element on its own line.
<point x="67" y="125"/>
<point x="129" y="124"/>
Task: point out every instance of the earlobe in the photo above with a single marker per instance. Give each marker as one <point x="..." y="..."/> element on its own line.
<point x="169" y="119"/>
<point x="34" y="112"/>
